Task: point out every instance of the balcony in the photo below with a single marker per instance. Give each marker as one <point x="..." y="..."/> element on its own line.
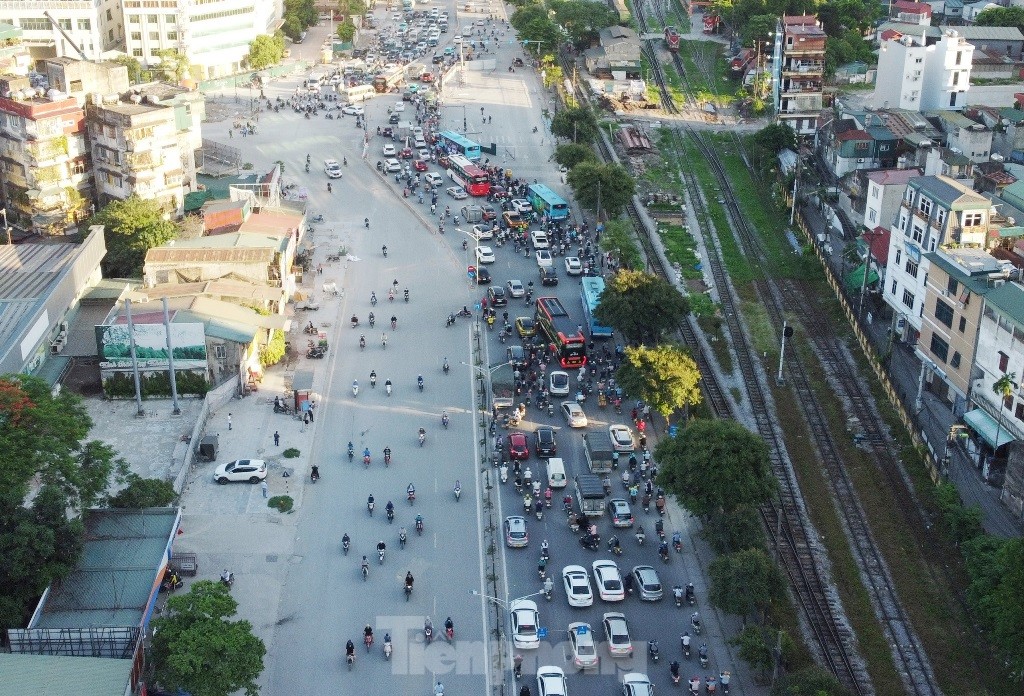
<point x="147" y="159"/>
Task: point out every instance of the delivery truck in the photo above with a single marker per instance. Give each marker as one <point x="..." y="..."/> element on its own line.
<point x="598" y="449"/>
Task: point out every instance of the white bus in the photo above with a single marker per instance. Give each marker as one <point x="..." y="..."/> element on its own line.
<point x="354" y="95"/>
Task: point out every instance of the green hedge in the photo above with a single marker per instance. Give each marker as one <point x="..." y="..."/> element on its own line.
<point x="122" y="384"/>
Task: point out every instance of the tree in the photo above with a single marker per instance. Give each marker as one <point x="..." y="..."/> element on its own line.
<point x="1004" y="387"/>
<point x="265" y="50"/>
<point x="540" y="36"/>
<point x="576" y="123"/>
<point x="525" y="15"/>
<point x="618" y="239"/>
<point x="572" y="154"/>
<point x="1001" y="17"/>
<point x="602" y="187"/>
<point x="810" y="681"/>
<point x="735" y="530"/>
<point x="582" y="20"/>
<point x="197" y="649"/>
<point x="134" y="68"/>
<point x="173" y="64"/>
<point x="143" y="493"/>
<point x="292" y="27"/>
<point x="774" y="138"/>
<point x="131" y="228"/>
<point x="758" y="28"/>
<point x="665" y="376"/>
<point x="744" y="582"/>
<point x="346" y="31"/>
<point x="641" y="306"/>
<point x="714" y="466"/>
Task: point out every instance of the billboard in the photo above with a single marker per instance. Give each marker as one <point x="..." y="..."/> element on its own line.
<point x="115" y="353"/>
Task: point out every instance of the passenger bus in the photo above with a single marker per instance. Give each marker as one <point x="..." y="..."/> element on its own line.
<point x="547" y="202"/>
<point x="455" y="144"/>
<point x="591" y="296"/>
<point x="468" y="176"/>
<point x="354" y="95"/>
<point x="562" y="332"/>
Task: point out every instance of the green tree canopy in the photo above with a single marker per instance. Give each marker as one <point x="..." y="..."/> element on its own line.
<point x="131" y="228"/>
<point x="641" y="306"/>
<point x="810" y="681"/>
<point x="197" y="648"/>
<point x="346" y="30"/>
<point x="143" y="493"/>
<point x="174" y="65"/>
<point x="744" y="583"/>
<point x="265" y="50"/>
<point x="1001" y="17"/>
<point x="527" y="14"/>
<point x="576" y="123"/>
<point x="604" y="187"/>
<point x="134" y="67"/>
<point x="714" y="466"/>
<point x="758" y="28"/>
<point x="572" y="154"/>
<point x="542" y="36"/>
<point x="582" y="20"/>
<point x="839" y="16"/>
<point x="665" y="376"/>
<point x="619" y="240"/>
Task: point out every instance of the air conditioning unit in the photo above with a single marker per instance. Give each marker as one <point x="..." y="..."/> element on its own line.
<point x="860" y="160"/>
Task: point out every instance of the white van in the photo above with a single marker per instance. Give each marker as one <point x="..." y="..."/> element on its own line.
<point x="556" y="473"/>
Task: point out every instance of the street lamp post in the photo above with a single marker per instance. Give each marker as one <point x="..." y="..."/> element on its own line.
<point x="476" y="243"/>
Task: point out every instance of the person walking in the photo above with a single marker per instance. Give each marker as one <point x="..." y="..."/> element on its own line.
<point x="277" y="439"/>
<point x="263" y="485"/>
<point x="229" y="421"/>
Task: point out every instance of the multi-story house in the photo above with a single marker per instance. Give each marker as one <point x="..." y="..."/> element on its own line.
<point x="934" y="211"/>
<point x="213" y="34"/>
<point x="923" y="75"/>
<point x="910" y="12"/>
<point x="143" y="143"/>
<point x="799" y="69"/>
<point x="66" y="28"/>
<point x="14" y="58"/>
<point x="885" y="189"/>
<point x="950" y="318"/>
<point x="964" y="135"/>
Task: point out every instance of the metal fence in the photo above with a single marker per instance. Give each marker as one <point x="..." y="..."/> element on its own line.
<point x="215" y="399"/>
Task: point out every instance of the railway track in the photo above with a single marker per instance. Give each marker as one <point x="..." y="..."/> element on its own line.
<point x="778" y="299"/>
<point x="649" y="52"/>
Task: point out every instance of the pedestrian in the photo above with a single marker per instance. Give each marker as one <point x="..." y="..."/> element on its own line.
<point x="231" y="133"/>
<point x="319" y="269"/>
<point x="310" y="411"/>
<point x="305" y="418"/>
<point x="277" y="439"/>
<point x="263" y="486"/>
<point x="229" y="421"/>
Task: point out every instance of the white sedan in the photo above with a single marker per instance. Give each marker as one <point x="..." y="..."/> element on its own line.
<point x="388" y="150"/>
<point x="525" y="622"/>
<point x="622" y="437"/>
<point x="558" y="383"/>
<point x="521" y="205"/>
<point x="550" y="681"/>
<point x="574" y="414"/>
<point x="616" y="631"/>
<point x="456" y="192"/>
<point x="353" y="110"/>
<point x="544" y="258"/>
<point x="577" y="586"/>
<point x="483" y="232"/>
<point x="573" y="266"/>
<point x="251" y="470"/>
<point x="515" y="288"/>
<point x="484" y="254"/>
<point x="584" y="649"/>
<point x="608" y="581"/>
<point x="433" y="178"/>
<point x="399" y="107"/>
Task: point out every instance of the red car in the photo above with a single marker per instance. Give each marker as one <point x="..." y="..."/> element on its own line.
<point x="489" y="213"/>
<point x="444" y="161"/>
<point x="518" y="446"/>
<point x="406" y="153"/>
<point x="419" y="165"/>
<point x="427" y="77"/>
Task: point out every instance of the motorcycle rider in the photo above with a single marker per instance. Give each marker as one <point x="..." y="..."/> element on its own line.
<point x="387" y="459"/>
<point x="449" y="628"/>
<point x="381" y="547"/>
<point x="373" y="379"/>
<point x="346" y="542"/>
<point x="390" y="508"/>
<point x="408" y="579"/>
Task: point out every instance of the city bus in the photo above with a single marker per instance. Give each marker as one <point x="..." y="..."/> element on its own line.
<point x="455" y="144"/>
<point x="547" y="202"/>
<point x="468" y="176"/>
<point x="354" y="95"/>
<point x="591" y="295"/>
<point x="566" y="339"/>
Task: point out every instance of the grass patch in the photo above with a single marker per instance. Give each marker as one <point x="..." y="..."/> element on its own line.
<point x="712" y="328"/>
<point x="282" y="503"/>
<point x="680" y="248"/>
<point x="290" y="453"/>
<point x="719" y="90"/>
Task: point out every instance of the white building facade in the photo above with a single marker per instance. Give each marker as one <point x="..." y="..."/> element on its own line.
<point x="935" y="210"/>
<point x="214" y="34"/>
<point x="924" y="78"/>
<point x="886" y="188"/>
<point x="93" y="26"/>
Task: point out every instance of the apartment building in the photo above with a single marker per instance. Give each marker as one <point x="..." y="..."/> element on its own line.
<point x="885" y="190"/>
<point x="934" y="211"/>
<point x="922" y="75"/>
<point x="214" y="34"/>
<point x="143" y="143"/>
<point x="66" y="28"/>
<point x="799" y="68"/>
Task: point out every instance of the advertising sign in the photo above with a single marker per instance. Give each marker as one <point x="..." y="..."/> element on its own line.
<point x="114" y="348"/>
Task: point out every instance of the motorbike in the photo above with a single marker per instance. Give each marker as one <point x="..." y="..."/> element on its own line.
<point x="366" y="461"/>
<point x="652" y="650"/>
<point x="387" y="650"/>
<point x="614" y="546"/>
<point x="422" y="436"/>
<point x="591" y="542"/>
<point x="402" y="538"/>
<point x="419" y="526"/>
<point x="318" y="218"/>
<point x="314" y="475"/>
<point x="368" y="641"/>
<point x="685" y="641"/>
<point x="691" y="597"/>
<point x="428" y="634"/>
<point x="391" y="515"/>
<point x="503" y="472"/>
<point x="695" y="624"/>
<point x="677" y="592"/>
<point x="345" y="545"/>
<point x="227" y="578"/>
<point x="354" y="321"/>
<point x="316" y="353"/>
<point x="355" y="387"/>
<point x="380" y="556"/>
<point x="702" y="653"/>
<point x="369" y="506"/>
<point x="419" y="383"/>
<point x="449" y="633"/>
<point x="351" y="452"/>
<point x="458" y="493"/>
<point x="444" y="420"/>
<point x="445" y="368"/>
<point x="674" y="671"/>
<point x="408" y="591"/>
<point x="411" y="497"/>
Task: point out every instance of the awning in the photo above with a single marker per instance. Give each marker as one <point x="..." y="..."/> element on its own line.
<point x="984" y="425"/>
<point x="855" y="280"/>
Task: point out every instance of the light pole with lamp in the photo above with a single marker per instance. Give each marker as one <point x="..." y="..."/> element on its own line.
<point x="506" y="605"/>
<point x="956" y="432"/>
<point x="476" y="243"/>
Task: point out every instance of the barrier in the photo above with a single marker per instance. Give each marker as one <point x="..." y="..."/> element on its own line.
<point x="215" y="399"/>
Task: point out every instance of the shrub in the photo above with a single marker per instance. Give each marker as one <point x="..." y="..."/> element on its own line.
<point x="283" y="503"/>
<point x="291" y="453"/>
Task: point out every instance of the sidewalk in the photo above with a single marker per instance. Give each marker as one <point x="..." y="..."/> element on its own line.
<point x="935" y="417"/>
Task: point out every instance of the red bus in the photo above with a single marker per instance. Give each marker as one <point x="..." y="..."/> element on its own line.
<point x="562" y="332"/>
<point x="469" y="176"/>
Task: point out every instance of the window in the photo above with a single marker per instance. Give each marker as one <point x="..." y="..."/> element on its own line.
<point x="169" y="19"/>
<point x="908" y="299"/>
<point x="154" y="36"/>
<point x="952" y="98"/>
<point x="892" y="290"/>
<point x="110" y="34"/>
<point x="172" y="36"/>
<point x="940" y="216"/>
<point x="136" y="36"/>
<point x="972" y="219"/>
<point x="135" y="19"/>
<point x="35" y="24"/>
<point x="152" y="19"/>
<point x="219" y="351"/>
<point x="871" y="215"/>
<point x="899" y="255"/>
<point x="64" y="24"/>
<point x="962" y="326"/>
<point x="917" y="233"/>
<point x="1004" y="361"/>
<point x="137" y="52"/>
<point x="875" y="191"/>
<point x="84" y="25"/>
<point x="110" y="17"/>
<point x="940" y="348"/>
<point x="943" y="313"/>
<point x="956" y="79"/>
<point x="925" y="206"/>
<point x="959" y="57"/>
<point x="952" y="285"/>
<point x="954" y="362"/>
<point x="911" y="268"/>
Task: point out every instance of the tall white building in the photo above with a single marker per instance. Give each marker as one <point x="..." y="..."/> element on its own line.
<point x="924" y="78"/>
<point x="93" y="26"/>
<point x="214" y="34"/>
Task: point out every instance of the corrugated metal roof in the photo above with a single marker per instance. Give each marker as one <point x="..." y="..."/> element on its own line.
<point x="45" y="675"/>
<point x="940" y="188"/>
<point x="180" y="255"/>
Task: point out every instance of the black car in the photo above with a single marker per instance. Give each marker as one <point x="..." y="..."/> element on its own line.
<point x="496" y="296"/>
<point x="516" y="355"/>
<point x="483" y="276"/>
<point x="544" y="442"/>
<point x="437" y="59"/>
<point x="548" y="276"/>
<point x="394" y="119"/>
